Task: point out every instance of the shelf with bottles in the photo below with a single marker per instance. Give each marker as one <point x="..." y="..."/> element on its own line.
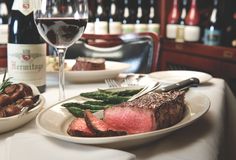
<point x="219" y="61"/>
<point x="213" y="17"/>
<point x="222" y="53"/>
<point x="123" y="16"/>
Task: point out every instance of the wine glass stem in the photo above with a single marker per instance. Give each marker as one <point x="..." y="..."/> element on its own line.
<point x="61" y="54"/>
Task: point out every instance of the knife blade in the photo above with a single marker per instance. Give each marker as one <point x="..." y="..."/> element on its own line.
<point x="182" y="85"/>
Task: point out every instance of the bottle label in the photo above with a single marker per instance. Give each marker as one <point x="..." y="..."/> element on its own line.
<point x="180" y="33"/>
<point x="140" y="28"/>
<point x="101" y="27"/>
<point x="27" y="63"/>
<point x="212" y="37"/>
<point x="127" y="28"/>
<point x="115" y="28"/>
<point x="171" y="31"/>
<point x="25" y="6"/>
<point x="89" y="28"/>
<point x="155" y="27"/>
<point x="192" y="33"/>
<point x="3" y="34"/>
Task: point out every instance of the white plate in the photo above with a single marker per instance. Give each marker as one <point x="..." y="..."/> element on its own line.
<point x="13" y="122"/>
<point x="113" y="69"/>
<point x="179" y="75"/>
<point x="54" y="122"/>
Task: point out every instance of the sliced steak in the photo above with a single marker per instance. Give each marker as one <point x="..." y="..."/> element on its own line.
<point x="147" y="113"/>
<point x="78" y="127"/>
<point x="99" y="127"/>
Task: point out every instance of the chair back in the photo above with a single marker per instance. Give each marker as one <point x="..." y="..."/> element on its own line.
<point x="139" y="50"/>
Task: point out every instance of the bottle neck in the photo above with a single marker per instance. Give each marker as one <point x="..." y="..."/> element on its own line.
<point x="183" y="13"/>
<point x="174" y="13"/>
<point x="24" y="6"/>
<point x="193" y="4"/>
<point x="3" y="9"/>
<point x="193" y="16"/>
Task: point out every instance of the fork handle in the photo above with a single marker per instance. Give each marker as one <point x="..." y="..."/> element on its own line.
<point x="191" y="82"/>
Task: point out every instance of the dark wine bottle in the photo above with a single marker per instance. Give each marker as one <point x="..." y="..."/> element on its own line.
<point x="153" y="19"/>
<point x="141" y="20"/>
<point x="3" y="22"/>
<point x="114" y="18"/>
<point x="101" y="18"/>
<point x="26" y="49"/>
<point x="213" y="32"/>
<point x="172" y="20"/>
<point x="128" y="18"/>
<point x="181" y="24"/>
<point x="90" y="25"/>
<point x="192" y="29"/>
<point x="229" y="38"/>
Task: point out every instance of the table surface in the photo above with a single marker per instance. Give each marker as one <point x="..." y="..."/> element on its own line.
<point x="209" y="138"/>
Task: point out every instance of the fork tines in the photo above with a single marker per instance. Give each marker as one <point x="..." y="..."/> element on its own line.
<point x="112" y="83"/>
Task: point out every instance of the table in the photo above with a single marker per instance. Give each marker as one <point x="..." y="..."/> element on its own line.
<point x="210" y="138"/>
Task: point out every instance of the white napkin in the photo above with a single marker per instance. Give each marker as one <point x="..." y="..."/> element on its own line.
<point x="26" y="146"/>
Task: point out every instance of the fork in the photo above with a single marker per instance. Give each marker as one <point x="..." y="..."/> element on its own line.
<point x="112" y="83"/>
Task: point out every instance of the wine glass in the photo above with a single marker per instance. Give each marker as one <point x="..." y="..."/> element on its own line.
<point x="61" y="23"/>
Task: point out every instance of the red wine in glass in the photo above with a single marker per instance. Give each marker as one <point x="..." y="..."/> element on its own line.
<point x="61" y="32"/>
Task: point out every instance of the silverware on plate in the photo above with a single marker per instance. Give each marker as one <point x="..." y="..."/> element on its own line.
<point x="182" y="85"/>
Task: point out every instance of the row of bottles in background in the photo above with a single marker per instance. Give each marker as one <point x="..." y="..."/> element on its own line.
<point x="183" y="25"/>
<point x="122" y="16"/>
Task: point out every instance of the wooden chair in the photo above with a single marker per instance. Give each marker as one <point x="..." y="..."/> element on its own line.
<point x="140" y="50"/>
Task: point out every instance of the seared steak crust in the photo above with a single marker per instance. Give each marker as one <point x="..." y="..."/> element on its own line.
<point x="158" y="110"/>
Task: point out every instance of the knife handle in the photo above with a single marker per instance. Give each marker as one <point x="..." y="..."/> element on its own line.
<point x="191" y="82"/>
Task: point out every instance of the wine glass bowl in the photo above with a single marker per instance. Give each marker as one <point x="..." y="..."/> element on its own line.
<point x="61" y="23"/>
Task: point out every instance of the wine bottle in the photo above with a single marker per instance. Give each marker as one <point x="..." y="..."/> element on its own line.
<point x="172" y="20"/>
<point x="213" y="33"/>
<point x="26" y="49"/>
<point x="181" y="24"/>
<point x="101" y="19"/>
<point x="9" y="4"/>
<point x="141" y="21"/>
<point x="90" y="25"/>
<point x="3" y="22"/>
<point x="53" y="10"/>
<point x="128" y="19"/>
<point x="114" y="18"/>
<point x="230" y="33"/>
<point x="192" y="29"/>
<point x="153" y="20"/>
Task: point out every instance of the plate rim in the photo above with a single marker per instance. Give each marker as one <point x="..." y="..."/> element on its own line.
<point x="153" y="74"/>
<point x="114" y="139"/>
<point x="126" y="66"/>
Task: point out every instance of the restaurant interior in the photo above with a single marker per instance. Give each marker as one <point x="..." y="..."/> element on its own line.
<point x="117" y="79"/>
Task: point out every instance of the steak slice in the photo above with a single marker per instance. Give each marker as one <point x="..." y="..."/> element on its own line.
<point x="147" y="113"/>
<point x="86" y="64"/>
<point x="78" y="127"/>
<point x="99" y="127"/>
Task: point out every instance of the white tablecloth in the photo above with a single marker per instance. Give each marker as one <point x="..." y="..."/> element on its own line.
<point x="211" y="137"/>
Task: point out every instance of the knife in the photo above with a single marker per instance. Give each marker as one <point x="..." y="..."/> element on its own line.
<point x="182" y="85"/>
<point x="185" y="84"/>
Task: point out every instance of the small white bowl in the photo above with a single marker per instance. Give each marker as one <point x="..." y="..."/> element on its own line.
<point x="13" y="122"/>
